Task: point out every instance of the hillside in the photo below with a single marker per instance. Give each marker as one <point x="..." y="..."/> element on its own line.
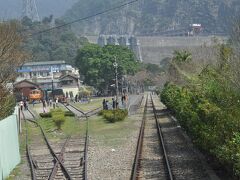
<point x="58" y="45"/>
<point x="13" y="8"/>
<point x="148" y="17"/>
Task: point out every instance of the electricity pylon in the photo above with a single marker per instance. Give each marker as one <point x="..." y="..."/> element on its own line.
<point x="30" y="10"/>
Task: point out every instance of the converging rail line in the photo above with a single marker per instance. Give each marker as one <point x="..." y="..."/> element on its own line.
<point x="75" y="110"/>
<point x="45" y="163"/>
<point x="151" y="160"/>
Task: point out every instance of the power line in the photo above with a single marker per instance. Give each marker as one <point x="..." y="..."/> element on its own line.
<point x="85" y="18"/>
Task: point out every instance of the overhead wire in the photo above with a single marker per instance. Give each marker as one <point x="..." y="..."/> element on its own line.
<point x="84" y="18"/>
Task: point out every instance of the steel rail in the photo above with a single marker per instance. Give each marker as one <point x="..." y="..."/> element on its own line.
<point x="96" y="111"/>
<point x="162" y="142"/>
<point x="85" y="156"/>
<point x="64" y="169"/>
<point x="66" y="106"/>
<point x="134" y="173"/>
<point x="86" y="152"/>
<point x="60" y="156"/>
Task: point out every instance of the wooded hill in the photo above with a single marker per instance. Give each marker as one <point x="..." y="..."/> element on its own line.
<point x="148" y="17"/>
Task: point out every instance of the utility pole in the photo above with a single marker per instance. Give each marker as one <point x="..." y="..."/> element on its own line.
<point x="53" y="96"/>
<point x="115" y="65"/>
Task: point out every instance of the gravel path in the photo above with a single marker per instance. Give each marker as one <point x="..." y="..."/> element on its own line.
<point x="114" y="163"/>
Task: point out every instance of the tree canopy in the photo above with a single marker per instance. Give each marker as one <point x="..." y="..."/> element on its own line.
<point x="95" y="63"/>
<point x="60" y="44"/>
<point x="11" y="56"/>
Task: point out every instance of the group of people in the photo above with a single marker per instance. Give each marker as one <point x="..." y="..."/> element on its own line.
<point x="50" y="103"/>
<point x="45" y="103"/>
<point x="107" y="105"/>
<point x="114" y="105"/>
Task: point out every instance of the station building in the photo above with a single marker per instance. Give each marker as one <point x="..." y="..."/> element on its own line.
<point x="44" y="69"/>
<point x="47" y="75"/>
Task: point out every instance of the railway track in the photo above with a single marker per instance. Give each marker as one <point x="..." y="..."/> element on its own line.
<point x="64" y="160"/>
<point x="185" y="160"/>
<point x="151" y="161"/>
<point x="78" y="112"/>
<point x="163" y="152"/>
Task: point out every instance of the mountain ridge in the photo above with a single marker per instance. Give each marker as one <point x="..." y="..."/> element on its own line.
<point x="153" y="16"/>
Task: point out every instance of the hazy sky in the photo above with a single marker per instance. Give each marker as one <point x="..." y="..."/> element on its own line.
<point x="13" y="8"/>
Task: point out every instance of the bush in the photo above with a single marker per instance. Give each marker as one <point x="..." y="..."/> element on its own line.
<point x="7" y="106"/>
<point x="211" y="117"/>
<point x="69" y="113"/>
<point x="114" y="115"/>
<point x="58" y="117"/>
<point x="45" y="115"/>
<point x="100" y="113"/>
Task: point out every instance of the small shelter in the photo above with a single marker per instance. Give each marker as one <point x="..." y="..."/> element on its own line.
<point x="22" y="89"/>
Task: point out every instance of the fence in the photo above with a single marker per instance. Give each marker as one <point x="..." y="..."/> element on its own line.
<point x="9" y="145"/>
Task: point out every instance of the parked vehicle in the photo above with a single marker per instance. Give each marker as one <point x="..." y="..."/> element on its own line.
<point x="35" y="95"/>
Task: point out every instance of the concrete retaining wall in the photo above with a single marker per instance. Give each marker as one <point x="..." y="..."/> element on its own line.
<point x="9" y="146"/>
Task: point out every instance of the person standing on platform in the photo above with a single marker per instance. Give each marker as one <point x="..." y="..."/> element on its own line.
<point x="57" y="102"/>
<point x="44" y="106"/>
<point x="25" y="105"/>
<point x="104" y="104"/>
<point x="21" y="104"/>
<point x="113" y="103"/>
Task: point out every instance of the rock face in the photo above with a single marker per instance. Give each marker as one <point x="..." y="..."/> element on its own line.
<point x="151" y="17"/>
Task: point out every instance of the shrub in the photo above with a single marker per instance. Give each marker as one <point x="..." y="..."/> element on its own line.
<point x="58" y="117"/>
<point x="7" y="106"/>
<point x="59" y="120"/>
<point x="100" y="113"/>
<point x="114" y="115"/>
<point x="210" y="115"/>
<point x="69" y="113"/>
<point x="45" y="115"/>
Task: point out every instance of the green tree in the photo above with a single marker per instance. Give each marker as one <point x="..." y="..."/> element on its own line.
<point x="11" y="57"/>
<point x="96" y="64"/>
<point x="59" y="44"/>
<point x="182" y="56"/>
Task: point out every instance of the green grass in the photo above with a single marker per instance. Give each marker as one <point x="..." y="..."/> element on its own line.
<point x="95" y="103"/>
<point x="71" y="126"/>
<point x="110" y="134"/>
